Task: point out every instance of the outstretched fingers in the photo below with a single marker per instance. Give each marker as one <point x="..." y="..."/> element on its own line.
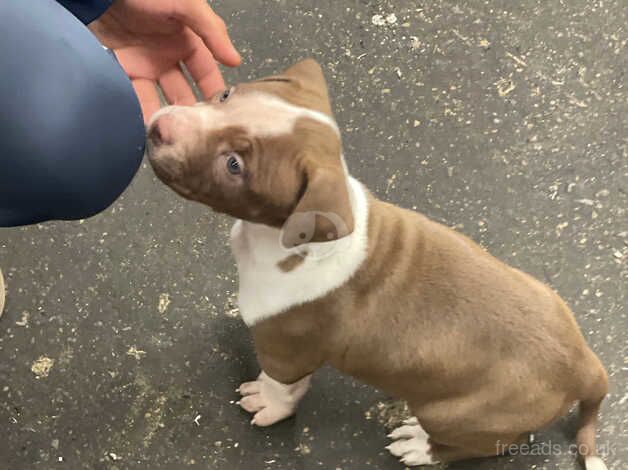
<point x="201" y="19"/>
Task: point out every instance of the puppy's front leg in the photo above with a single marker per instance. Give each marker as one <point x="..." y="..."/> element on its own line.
<point x="288" y="356"/>
<point x="270" y="400"/>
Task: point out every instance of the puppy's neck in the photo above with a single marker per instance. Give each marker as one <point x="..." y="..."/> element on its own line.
<point x="272" y="279"/>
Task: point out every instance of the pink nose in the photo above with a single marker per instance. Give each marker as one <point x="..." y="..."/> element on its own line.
<point x="161" y="131"/>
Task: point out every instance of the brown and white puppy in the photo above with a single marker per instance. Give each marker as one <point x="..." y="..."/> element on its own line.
<point x="328" y="274"/>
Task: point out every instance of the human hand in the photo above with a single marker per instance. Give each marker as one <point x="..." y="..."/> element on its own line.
<point x="151" y="38"/>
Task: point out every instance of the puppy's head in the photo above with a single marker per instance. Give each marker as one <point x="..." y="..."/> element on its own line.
<point x="268" y="151"/>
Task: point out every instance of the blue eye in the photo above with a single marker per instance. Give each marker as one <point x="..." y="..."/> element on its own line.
<point x="234" y="165"/>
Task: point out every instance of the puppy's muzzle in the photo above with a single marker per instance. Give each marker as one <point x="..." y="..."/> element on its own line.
<point x="162" y="149"/>
<point x="161" y="131"/>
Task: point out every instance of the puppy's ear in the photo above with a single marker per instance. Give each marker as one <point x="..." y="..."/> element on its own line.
<point x="324" y="212"/>
<point x="309" y="74"/>
<point x="307" y="70"/>
<point x="302" y="84"/>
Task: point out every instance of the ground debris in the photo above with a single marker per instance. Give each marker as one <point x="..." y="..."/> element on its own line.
<point x="505" y="86"/>
<point x="231" y="306"/>
<point x="24" y="320"/>
<point x="136" y="353"/>
<point x="560" y="227"/>
<point x="113" y="456"/>
<point x="391" y="413"/>
<point x="164" y="302"/>
<point x="303" y="449"/>
<point x="518" y="60"/>
<point x="383" y="20"/>
<point x="378" y="20"/>
<point x="41" y="367"/>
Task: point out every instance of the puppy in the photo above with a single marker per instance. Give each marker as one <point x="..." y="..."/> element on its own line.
<point x="483" y="354"/>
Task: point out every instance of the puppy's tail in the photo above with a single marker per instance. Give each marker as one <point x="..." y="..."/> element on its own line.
<point x="589" y="410"/>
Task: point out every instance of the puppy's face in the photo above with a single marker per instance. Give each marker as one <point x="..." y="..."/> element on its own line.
<point x="261" y="151"/>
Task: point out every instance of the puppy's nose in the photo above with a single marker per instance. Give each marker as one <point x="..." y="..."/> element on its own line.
<point x="161" y="131"/>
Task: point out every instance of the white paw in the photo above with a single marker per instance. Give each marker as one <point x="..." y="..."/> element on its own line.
<point x="411" y="444"/>
<point x="271" y="401"/>
<point x="594" y="463"/>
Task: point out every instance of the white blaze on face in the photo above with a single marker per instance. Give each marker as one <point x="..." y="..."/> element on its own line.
<point x="260" y="114"/>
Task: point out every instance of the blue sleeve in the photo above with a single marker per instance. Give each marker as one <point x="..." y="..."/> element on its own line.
<point x="86" y="10"/>
<point x="71" y="129"/>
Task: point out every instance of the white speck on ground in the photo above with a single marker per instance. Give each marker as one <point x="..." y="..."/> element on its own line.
<point x="231" y="307"/>
<point x="381" y="20"/>
<point x="518" y="60"/>
<point x="378" y="20"/>
<point x="24" y="320"/>
<point x="164" y="302"/>
<point x="303" y="449"/>
<point x="560" y="227"/>
<point x="41" y="367"/>
<point x="136" y="353"/>
<point x="505" y="86"/>
<point x="391" y="18"/>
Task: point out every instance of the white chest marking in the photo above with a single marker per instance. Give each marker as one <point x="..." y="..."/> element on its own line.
<point x="265" y="290"/>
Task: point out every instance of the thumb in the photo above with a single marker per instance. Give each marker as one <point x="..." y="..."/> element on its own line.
<point x="200" y="18"/>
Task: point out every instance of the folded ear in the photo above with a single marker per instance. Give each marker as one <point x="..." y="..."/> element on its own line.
<point x="324" y="212"/>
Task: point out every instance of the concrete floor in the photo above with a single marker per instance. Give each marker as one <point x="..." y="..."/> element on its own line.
<point x="504" y="119"/>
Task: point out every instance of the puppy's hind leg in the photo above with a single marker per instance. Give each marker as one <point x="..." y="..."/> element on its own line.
<point x="477" y="446"/>
<point x="414" y="446"/>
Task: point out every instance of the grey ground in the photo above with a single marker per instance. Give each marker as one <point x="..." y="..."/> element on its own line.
<point x="504" y="119"/>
